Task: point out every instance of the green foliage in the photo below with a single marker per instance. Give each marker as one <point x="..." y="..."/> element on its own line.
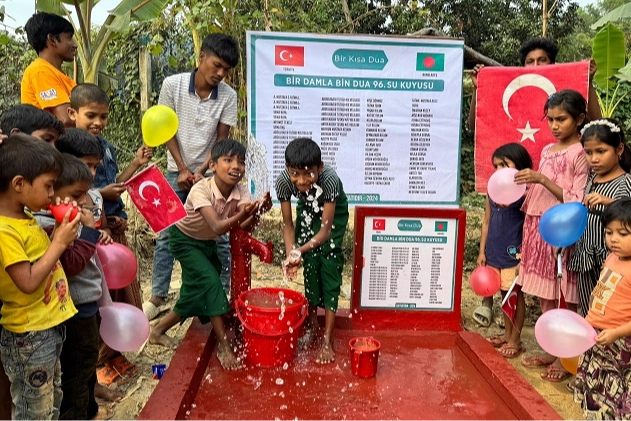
<point x="15" y="55"/>
<point x="608" y="53"/>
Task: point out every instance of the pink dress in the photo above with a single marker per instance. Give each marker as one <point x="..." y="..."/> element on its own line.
<point x="537" y="275"/>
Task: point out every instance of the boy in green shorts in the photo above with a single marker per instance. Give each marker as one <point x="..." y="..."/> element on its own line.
<point x="321" y="218"/>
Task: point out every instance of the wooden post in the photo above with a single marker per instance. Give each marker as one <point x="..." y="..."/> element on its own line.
<point x="544" y="8"/>
<point x="144" y="69"/>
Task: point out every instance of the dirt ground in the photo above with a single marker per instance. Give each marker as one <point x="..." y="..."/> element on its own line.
<point x="138" y="389"/>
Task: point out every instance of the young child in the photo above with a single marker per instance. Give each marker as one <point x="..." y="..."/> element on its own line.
<point x="44" y="84"/>
<point x="32" y="281"/>
<point x="500" y="247"/>
<point x="87" y="286"/>
<point x="610" y="161"/>
<point x="321" y="218"/>
<point x="561" y="178"/>
<point x="25" y="118"/>
<point x="214" y="205"/>
<point x="602" y="385"/>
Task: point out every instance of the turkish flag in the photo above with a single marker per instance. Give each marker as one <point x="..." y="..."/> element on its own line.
<point x="509" y="109"/>
<point x="378" y="224"/>
<point x="289" y="55"/>
<point x="509" y="304"/>
<point x="155" y="198"/>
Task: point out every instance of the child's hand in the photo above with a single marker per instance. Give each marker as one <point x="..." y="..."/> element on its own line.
<point x="474" y="74"/>
<point x="593" y="199"/>
<point x="87" y="217"/>
<point x="113" y="191"/>
<point x="529" y="176"/>
<point x="606" y="337"/>
<point x="66" y="232"/>
<point x="185" y="179"/>
<point x="105" y="238"/>
<point x="481" y="259"/>
<point x="290" y="272"/>
<point x="197" y="177"/>
<point x="143" y="155"/>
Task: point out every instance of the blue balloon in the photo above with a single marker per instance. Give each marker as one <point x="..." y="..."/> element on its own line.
<point x="563" y="225"/>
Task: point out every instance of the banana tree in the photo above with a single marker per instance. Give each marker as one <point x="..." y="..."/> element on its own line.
<point x="619" y="13"/>
<point x="608" y="51"/>
<point x="90" y="50"/>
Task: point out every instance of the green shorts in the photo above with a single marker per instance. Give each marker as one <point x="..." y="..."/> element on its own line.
<point x="202" y="294"/>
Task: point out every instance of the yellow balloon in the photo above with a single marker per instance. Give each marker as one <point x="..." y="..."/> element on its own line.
<point x="570" y="364"/>
<point x="159" y="125"/>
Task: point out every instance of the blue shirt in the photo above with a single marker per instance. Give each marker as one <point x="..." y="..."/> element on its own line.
<point x="106" y="173"/>
<point x="503" y="242"/>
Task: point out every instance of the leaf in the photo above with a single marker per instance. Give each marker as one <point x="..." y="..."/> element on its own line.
<point x="625" y="72"/>
<point x="149" y="10"/>
<point x="622" y="12"/>
<point x="608" y="53"/>
<point x="120" y="23"/>
<point x="51" y="6"/>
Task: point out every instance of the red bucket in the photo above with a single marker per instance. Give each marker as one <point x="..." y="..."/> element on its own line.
<point x="364" y="356"/>
<point x="270" y="335"/>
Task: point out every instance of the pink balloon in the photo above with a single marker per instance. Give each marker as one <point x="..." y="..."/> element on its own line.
<point x="502" y="188"/>
<point x="119" y="264"/>
<point x="563" y="333"/>
<point x="124" y="327"/>
<point x="485" y="281"/>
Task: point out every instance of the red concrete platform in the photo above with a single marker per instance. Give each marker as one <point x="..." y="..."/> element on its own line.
<point x="421" y="375"/>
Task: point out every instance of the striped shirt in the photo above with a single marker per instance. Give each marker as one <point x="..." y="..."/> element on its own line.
<point x="326" y="190"/>
<point x="198" y="117"/>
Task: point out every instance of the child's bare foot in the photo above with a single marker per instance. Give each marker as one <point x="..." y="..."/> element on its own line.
<point x="163" y="339"/>
<point x="326" y="355"/>
<point x="307" y="340"/>
<point x="227" y="359"/>
<point x="106" y="393"/>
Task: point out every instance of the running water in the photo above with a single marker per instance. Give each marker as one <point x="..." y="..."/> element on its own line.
<point x="281" y="296"/>
<point x="256" y="168"/>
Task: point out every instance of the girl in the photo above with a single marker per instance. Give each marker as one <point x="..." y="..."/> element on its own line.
<point x="604" y="375"/>
<point x="609" y="160"/>
<point x="500" y="244"/>
<point x="561" y="178"/>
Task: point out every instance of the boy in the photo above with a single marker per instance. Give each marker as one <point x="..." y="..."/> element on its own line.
<point x="321" y="218"/>
<point x="44" y="84"/>
<point x="87" y="285"/>
<point x="25" y="118"/>
<point x="31" y="279"/>
<point x="200" y="93"/>
<point x="214" y="205"/>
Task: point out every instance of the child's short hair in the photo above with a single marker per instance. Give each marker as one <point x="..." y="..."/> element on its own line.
<point x="545" y="44"/>
<point x="75" y="171"/>
<point x="27" y="119"/>
<point x="25" y="155"/>
<point x="227" y="147"/>
<point x="42" y="24"/>
<point x="87" y="93"/>
<point x="516" y="153"/>
<point x="620" y="211"/>
<point x="569" y="100"/>
<point x="303" y="153"/>
<point x="223" y="46"/>
<point x="79" y="143"/>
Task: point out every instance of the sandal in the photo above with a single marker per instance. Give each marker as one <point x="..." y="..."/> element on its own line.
<point x="496" y="340"/>
<point x="482" y="316"/>
<point x="536" y="361"/>
<point x="511" y="351"/>
<point x="106" y="375"/>
<point x="555" y="374"/>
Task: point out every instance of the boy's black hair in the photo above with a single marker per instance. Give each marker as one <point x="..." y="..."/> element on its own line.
<point x="620" y="211"/>
<point x="87" y="93"/>
<point x="223" y="46"/>
<point x="571" y="101"/>
<point x="25" y="155"/>
<point x="227" y="147"/>
<point x="303" y="152"/>
<point x="545" y="44"/>
<point x="516" y="153"/>
<point x="27" y="119"/>
<point x="75" y="171"/>
<point x="603" y="133"/>
<point x="79" y="143"/>
<point x="42" y="24"/>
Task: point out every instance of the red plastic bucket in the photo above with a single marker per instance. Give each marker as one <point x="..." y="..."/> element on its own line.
<point x="270" y="335"/>
<point x="364" y="356"/>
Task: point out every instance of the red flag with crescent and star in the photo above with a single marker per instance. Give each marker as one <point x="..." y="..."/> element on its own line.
<point x="509" y="109"/>
<point x="155" y="198"/>
<point x="289" y="55"/>
<point x="509" y="304"/>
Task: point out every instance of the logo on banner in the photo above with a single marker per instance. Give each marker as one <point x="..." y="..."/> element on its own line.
<point x="289" y="55"/>
<point x="378" y="224"/>
<point x="430" y="62"/>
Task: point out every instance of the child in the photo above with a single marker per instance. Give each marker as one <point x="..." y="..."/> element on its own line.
<point x="610" y="161"/>
<point x="602" y="385"/>
<point x="561" y="178"/>
<point x="25" y="118"/>
<point x="214" y="205"/>
<point x="322" y="215"/>
<point x="44" y="84"/>
<point x="500" y="247"/>
<point x="31" y="279"/>
<point x="87" y="285"/>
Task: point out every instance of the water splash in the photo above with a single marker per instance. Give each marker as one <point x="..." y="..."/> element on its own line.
<point x="256" y="168"/>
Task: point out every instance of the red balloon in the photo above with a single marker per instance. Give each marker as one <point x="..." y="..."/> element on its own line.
<point x="59" y="211"/>
<point x="119" y="264"/>
<point x="485" y="281"/>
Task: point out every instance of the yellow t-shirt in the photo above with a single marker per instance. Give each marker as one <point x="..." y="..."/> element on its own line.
<point x="44" y="86"/>
<point x="23" y="240"/>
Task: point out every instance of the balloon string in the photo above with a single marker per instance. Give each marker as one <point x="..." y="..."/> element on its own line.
<point x="559" y="274"/>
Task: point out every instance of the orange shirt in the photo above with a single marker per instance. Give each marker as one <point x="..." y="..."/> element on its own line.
<point x="44" y="86"/>
<point x="610" y="303"/>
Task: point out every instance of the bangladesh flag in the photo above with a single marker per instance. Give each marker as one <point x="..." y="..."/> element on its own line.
<point x="440" y="226"/>
<point x="430" y="62"/>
